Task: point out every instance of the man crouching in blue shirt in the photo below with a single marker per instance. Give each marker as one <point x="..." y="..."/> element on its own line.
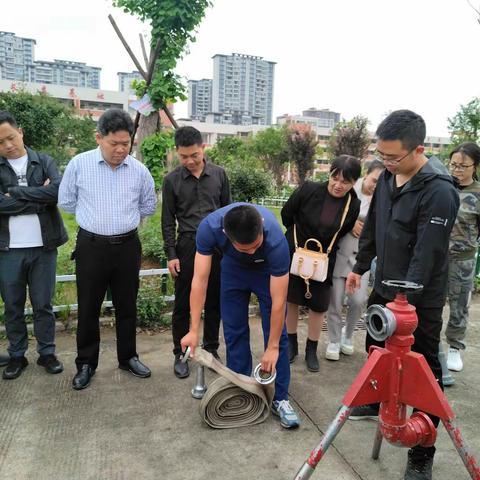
<point x="255" y="260"/>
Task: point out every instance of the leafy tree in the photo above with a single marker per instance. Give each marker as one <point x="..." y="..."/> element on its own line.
<point x="73" y="135"/>
<point x="231" y="151"/>
<point x="320" y="151"/>
<point x="350" y="138"/>
<point x="270" y="145"/>
<point x="154" y="150"/>
<point x="301" y="147"/>
<point x="248" y="184"/>
<point x="247" y="179"/>
<point x="35" y="114"/>
<point x="465" y="125"/>
<point x="322" y="176"/>
<point x="226" y="151"/>
<point x="173" y="24"/>
<point x="49" y="125"/>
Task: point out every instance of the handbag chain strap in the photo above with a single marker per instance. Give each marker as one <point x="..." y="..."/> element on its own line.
<point x="344" y="216"/>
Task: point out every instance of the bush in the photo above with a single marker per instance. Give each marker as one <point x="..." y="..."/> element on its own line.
<point x="152" y="244"/>
<point x="154" y="150"/>
<point x="150" y="234"/>
<point x="247" y="184"/>
<point x="151" y="308"/>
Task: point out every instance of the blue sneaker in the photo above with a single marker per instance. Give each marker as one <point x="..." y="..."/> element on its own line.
<point x="288" y="416"/>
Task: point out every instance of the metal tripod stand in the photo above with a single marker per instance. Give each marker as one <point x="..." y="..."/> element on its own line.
<point x="395" y="377"/>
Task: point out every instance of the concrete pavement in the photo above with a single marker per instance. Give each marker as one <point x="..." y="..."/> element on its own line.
<point x="125" y="428"/>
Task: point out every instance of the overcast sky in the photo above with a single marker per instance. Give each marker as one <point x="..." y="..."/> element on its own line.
<point x="355" y="57"/>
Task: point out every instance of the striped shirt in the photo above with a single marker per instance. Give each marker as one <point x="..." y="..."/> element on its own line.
<point x="106" y="201"/>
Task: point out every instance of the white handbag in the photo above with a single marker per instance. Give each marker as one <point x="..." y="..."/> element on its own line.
<point x="310" y="264"/>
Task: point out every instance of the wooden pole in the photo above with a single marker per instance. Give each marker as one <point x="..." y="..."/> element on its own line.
<point x="168" y="113"/>
<point x="127" y="47"/>
<point x="142" y="44"/>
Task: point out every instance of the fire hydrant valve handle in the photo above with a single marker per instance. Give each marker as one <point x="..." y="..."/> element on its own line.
<point x="403" y="286"/>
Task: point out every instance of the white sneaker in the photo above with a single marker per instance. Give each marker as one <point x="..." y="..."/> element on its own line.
<point x="454" y="360"/>
<point x="333" y="351"/>
<point x="346" y="346"/>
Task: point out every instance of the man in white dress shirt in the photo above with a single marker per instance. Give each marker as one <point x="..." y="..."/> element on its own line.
<point x="110" y="192"/>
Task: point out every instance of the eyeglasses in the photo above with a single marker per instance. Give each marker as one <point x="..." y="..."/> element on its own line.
<point x="384" y="157"/>
<point x="460" y="168"/>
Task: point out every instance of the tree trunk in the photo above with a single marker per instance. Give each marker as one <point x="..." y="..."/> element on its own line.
<point x="148" y="126"/>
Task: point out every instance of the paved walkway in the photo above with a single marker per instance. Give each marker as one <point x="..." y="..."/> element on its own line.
<point x="124" y="428"/>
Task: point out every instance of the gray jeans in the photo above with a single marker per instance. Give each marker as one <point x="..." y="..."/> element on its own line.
<point x="33" y="267"/>
<point x="355" y="303"/>
<point x="460" y="285"/>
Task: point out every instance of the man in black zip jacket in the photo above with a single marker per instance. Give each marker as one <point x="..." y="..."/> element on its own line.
<point x="408" y="228"/>
<point x="31" y="229"/>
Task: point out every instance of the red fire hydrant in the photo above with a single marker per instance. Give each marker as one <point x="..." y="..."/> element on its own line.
<point x="395" y="377"/>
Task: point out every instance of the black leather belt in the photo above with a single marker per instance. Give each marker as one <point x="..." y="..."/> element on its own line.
<point x="108" y="239"/>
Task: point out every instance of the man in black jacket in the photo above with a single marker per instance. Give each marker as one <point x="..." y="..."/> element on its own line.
<point x="408" y="228"/>
<point x="31" y="229"/>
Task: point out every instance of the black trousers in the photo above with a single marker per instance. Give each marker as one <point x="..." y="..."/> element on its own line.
<point x="427" y="340"/>
<point x="186" y="249"/>
<point x="101" y="264"/>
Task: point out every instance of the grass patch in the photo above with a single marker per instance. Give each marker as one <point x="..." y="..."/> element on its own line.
<point x="276" y="211"/>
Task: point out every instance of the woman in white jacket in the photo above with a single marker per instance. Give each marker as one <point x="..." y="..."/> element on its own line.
<point x="342" y="340"/>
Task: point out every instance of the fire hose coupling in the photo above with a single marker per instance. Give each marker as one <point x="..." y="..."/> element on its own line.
<point x="380" y="322"/>
<point x="419" y="430"/>
<point x="262" y="377"/>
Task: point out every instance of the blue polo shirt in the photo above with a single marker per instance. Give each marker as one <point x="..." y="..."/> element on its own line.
<point x="273" y="254"/>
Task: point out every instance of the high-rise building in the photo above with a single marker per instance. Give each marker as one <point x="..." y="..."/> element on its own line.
<point x="65" y="72"/>
<point x="242" y="90"/>
<point x="16" y="55"/>
<point x="199" y="98"/>
<point x="125" y="81"/>
<point x="17" y="62"/>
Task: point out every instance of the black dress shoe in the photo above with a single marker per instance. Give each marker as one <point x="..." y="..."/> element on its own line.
<point x="15" y="367"/>
<point x="136" y="367"/>
<point x="419" y="465"/>
<point x="216" y="356"/>
<point x="180" y="369"/>
<point x="51" y="363"/>
<point x="4" y="360"/>
<point x="82" y="379"/>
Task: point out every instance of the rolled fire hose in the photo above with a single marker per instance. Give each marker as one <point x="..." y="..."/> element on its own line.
<point x="233" y="400"/>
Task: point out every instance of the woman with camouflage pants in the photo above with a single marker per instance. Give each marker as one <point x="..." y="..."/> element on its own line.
<point x="464" y="161"/>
